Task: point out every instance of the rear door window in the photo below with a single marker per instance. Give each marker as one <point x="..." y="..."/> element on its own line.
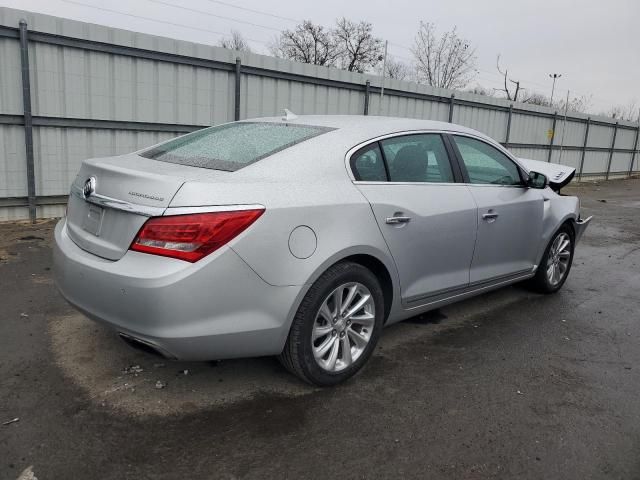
<point x="232" y="146"/>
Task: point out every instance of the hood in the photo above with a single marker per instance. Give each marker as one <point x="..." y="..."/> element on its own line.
<point x="558" y="175"/>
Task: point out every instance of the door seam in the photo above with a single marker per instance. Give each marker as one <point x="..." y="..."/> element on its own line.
<point x="475" y="243"/>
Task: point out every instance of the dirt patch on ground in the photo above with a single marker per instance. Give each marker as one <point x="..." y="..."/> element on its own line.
<point x="115" y="375"/>
<point x="13" y="234"/>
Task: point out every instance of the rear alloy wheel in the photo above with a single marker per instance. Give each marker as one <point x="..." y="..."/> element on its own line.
<point x="336" y="327"/>
<point x="343" y="326"/>
<point x="556" y="262"/>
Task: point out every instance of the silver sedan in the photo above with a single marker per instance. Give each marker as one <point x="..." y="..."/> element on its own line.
<point x="303" y="236"/>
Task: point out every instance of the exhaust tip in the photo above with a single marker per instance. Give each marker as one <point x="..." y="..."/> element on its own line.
<point x="145" y="346"/>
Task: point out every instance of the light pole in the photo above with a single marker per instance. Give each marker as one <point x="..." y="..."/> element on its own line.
<point x="555" y="76"/>
<point x="384" y="66"/>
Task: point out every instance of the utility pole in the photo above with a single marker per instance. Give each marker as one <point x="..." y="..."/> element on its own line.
<point x="555" y="76"/>
<point x="564" y="126"/>
<point x="384" y="67"/>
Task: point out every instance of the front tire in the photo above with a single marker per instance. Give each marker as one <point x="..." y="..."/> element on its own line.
<point x="336" y="327"/>
<point x="556" y="262"/>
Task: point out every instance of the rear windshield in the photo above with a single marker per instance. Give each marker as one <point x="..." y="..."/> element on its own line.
<point x="232" y="146"/>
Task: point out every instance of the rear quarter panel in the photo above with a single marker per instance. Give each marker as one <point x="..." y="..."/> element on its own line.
<point x="340" y="218"/>
<point x="306" y="185"/>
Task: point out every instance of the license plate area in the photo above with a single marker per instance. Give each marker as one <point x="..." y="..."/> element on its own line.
<point x="92" y="221"/>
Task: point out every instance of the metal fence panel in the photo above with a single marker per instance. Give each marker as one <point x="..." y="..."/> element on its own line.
<point x="620" y="162"/>
<point x="13" y="162"/>
<point x="391" y="105"/>
<point x="530" y="153"/>
<point x="600" y="136"/>
<point x="490" y="122"/>
<point x="60" y="151"/>
<point x="625" y="139"/>
<point x="263" y="96"/>
<point x="570" y="158"/>
<point x="98" y="91"/>
<point x="530" y="129"/>
<point x="571" y="134"/>
<point x="596" y="163"/>
<point x="10" y="79"/>
<point x="405" y="107"/>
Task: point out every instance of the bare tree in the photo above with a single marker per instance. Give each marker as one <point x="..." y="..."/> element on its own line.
<point x="515" y="92"/>
<point x="397" y="69"/>
<point x="358" y="49"/>
<point x="446" y="61"/>
<point x="579" y="104"/>
<point x="236" y="42"/>
<point x="629" y="112"/>
<point x="480" y="90"/>
<point x="307" y="43"/>
<point x="538" y="99"/>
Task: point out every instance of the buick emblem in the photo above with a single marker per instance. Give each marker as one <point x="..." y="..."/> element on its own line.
<point x="89" y="187"/>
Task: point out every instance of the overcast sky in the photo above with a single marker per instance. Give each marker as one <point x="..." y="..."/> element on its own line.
<point x="595" y="45"/>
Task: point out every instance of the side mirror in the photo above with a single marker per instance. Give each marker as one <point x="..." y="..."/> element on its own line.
<point x="537" y="180"/>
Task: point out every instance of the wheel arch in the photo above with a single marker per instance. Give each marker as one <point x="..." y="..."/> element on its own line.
<point x="382" y="274"/>
<point x="383" y="268"/>
<point x="568" y="219"/>
<point x="572" y="223"/>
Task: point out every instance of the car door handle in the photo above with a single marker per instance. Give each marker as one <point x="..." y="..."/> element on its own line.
<point x="397" y="220"/>
<point x="489" y="215"/>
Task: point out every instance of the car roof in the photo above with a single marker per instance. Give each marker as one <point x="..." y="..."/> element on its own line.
<point x="354" y="129"/>
<point x="322" y="158"/>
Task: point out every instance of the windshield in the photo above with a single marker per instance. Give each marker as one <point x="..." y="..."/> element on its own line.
<point x="232" y="146"/>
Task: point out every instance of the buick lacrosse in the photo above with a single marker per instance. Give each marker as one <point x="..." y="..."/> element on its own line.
<point x="303" y="236"/>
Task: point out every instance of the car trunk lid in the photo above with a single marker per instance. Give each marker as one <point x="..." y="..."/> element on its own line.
<point x="127" y="190"/>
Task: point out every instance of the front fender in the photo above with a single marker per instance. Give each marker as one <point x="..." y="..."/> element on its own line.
<point x="558" y="209"/>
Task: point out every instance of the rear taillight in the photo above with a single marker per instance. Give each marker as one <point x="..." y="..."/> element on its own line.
<point x="193" y="236"/>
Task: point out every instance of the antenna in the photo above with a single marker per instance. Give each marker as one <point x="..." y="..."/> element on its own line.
<point x="288" y="115"/>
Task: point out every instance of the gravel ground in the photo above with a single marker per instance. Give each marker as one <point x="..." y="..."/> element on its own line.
<point x="507" y="385"/>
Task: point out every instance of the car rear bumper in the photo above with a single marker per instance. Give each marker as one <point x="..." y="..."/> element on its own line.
<point x="212" y="309"/>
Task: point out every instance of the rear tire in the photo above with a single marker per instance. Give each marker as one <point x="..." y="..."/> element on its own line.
<point x="336" y="327"/>
<point x="556" y="262"/>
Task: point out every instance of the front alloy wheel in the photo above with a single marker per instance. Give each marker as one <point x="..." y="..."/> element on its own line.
<point x="558" y="258"/>
<point x="556" y="262"/>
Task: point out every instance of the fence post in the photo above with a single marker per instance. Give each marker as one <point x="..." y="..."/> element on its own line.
<point x="452" y="102"/>
<point x="613" y="144"/>
<point x="553" y="136"/>
<point x="367" y="87"/>
<point x="635" y="151"/>
<point x="237" y="89"/>
<point x="584" y="149"/>
<point x="28" y="121"/>
<point x="506" y="140"/>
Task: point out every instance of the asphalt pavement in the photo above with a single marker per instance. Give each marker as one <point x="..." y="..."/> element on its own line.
<point x="511" y="384"/>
